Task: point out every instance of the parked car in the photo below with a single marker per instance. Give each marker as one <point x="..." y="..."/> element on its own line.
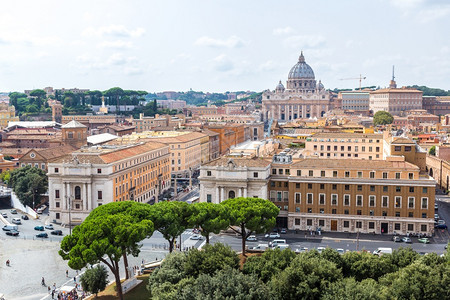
<point x="56" y="232"/>
<point x="260" y="247"/>
<point x="274" y="235"/>
<point x="441" y="226"/>
<point x="4" y="215"/>
<point x="49" y="226"/>
<point x="13" y="211"/>
<point x="24" y="217"/>
<point x="340" y="251"/>
<point x="275" y="242"/>
<point x="283" y="231"/>
<point x="16" y="221"/>
<point x="42" y="235"/>
<point x="40" y="228"/>
<point x="396" y="239"/>
<point x="407" y="240"/>
<point x="301" y="249"/>
<point x="424" y="240"/>
<point x="281" y="246"/>
<point x="251" y="238"/>
<point x="196" y="237"/>
<point x="12" y="233"/>
<point x="436" y="216"/>
<point x="436" y="206"/>
<point x="320" y="249"/>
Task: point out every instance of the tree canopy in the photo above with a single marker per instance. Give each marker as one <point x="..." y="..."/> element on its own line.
<point x="29" y="183"/>
<point x="382" y="118"/>
<point x="209" y="217"/>
<point x="250" y="215"/>
<point x="94" y="280"/>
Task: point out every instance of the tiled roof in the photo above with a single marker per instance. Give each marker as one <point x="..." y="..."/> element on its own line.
<point x="56" y="151"/>
<point x="239" y="162"/>
<point x="210" y="132"/>
<point x="402" y="140"/>
<point x="401" y="90"/>
<point x="338" y="135"/>
<point x="360" y="164"/>
<point x="73" y="124"/>
<point x="130" y="151"/>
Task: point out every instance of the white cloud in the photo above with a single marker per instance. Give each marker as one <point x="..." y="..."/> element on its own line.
<point x="113" y="30"/>
<point x="283" y="30"/>
<point x="423" y="11"/>
<point x="118" y="44"/>
<point x="181" y="57"/>
<point x="231" y="42"/>
<point x="222" y="63"/>
<point x="129" y="70"/>
<point x="267" y="66"/>
<point x="304" y="41"/>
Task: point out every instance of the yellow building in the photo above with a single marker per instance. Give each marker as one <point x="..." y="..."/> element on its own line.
<point x="7" y="114"/>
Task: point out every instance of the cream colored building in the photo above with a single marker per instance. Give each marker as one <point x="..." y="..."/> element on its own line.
<point x="345" y="146"/>
<point x="303" y="97"/>
<point x="7" y="114"/>
<point x="90" y="177"/>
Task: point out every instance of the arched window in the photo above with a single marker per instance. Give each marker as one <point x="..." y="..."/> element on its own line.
<point x="77" y="193"/>
<point x="231" y="194"/>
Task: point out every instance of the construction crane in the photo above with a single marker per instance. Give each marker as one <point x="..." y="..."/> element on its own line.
<point x="360" y="78"/>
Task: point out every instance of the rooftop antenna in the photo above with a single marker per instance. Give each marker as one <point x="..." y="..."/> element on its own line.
<point x="393" y="77"/>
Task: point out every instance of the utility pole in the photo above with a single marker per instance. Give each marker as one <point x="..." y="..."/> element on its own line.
<point x="190" y="178"/>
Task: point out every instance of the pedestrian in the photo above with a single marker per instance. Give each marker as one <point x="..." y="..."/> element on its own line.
<point x="49" y="289"/>
<point x="54" y="286"/>
<point x="74" y="279"/>
<point x="67" y="273"/>
<point x="53" y="294"/>
<point x="43" y="281"/>
<point x="7" y="263"/>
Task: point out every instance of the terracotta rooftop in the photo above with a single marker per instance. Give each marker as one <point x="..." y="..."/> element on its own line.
<point x="338" y="135"/>
<point x="359" y="164"/>
<point x="402" y="140"/>
<point x="400" y="90"/>
<point x="55" y="152"/>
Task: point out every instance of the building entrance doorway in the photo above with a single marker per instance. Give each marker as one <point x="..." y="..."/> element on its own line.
<point x="384" y="228"/>
<point x="333" y="225"/>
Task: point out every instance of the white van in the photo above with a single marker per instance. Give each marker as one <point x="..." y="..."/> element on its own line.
<point x="260" y="247"/>
<point x="10" y="227"/>
<point x="16" y="221"/>
<point x="380" y="251"/>
<point x="281" y="246"/>
<point x="276" y="242"/>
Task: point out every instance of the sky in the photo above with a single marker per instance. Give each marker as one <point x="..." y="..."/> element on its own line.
<point x="221" y="45"/>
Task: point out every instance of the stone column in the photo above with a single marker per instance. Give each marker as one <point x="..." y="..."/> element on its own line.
<point x="65" y="196"/>
<point x="279" y="112"/>
<point x="240" y="192"/>
<point x="89" y="202"/>
<point x="298" y="111"/>
<point x="222" y="194"/>
<point x="303" y="111"/>
<point x="245" y="192"/>
<point x="217" y="195"/>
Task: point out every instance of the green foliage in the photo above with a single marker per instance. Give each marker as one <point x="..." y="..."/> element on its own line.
<point x="366" y="265"/>
<point x="29" y="183"/>
<point x="418" y="281"/>
<point x="432" y="150"/>
<point x="269" y="264"/>
<point x="94" y="280"/>
<point x="250" y="215"/>
<point x="209" y="217"/>
<point x="403" y="257"/>
<point x="5" y="176"/>
<point x="332" y="255"/>
<point x="305" y="278"/>
<point x="349" y="288"/>
<point x="210" y="259"/>
<point x="171" y="219"/>
<point x="431" y="91"/>
<point x="382" y="118"/>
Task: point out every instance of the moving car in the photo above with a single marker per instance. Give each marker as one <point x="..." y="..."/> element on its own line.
<point x="281" y="246"/>
<point x="424" y="240"/>
<point x="4" y="215"/>
<point x="251" y="238"/>
<point x="13" y="211"/>
<point x="283" y="231"/>
<point x="12" y="233"/>
<point x="301" y="250"/>
<point x="10" y="227"/>
<point x="39" y="228"/>
<point x="380" y="251"/>
<point x="261" y="247"/>
<point x="274" y="235"/>
<point x="320" y="249"/>
<point x="24" y="217"/>
<point x="196" y="237"/>
<point x="42" y="235"/>
<point x="441" y="226"/>
<point x="396" y="239"/>
<point x="56" y="232"/>
<point x="407" y="240"/>
<point x="49" y="226"/>
<point x="274" y="243"/>
<point x="340" y="251"/>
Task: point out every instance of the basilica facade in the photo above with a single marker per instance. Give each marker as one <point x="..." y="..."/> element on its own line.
<point x="303" y="96"/>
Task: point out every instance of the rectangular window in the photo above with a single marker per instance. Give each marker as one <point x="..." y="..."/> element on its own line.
<point x="407" y="148"/>
<point x="371" y="225"/>
<point x="334" y="199"/>
<point x="322" y="186"/>
<point x="321" y="199"/>
<point x="360" y="174"/>
<point x="285" y="196"/>
<point x="411" y="189"/>
<point x="311" y="173"/>
<point x="347" y="187"/>
<point x="279" y="196"/>
<point x="321" y="223"/>
<point x="385" y="201"/>
<point x="322" y="173"/>
<point x="309" y="222"/>
<point x="208" y="198"/>
<point x="99" y="171"/>
<point x="347" y="174"/>
<point x="397" y="148"/>
<point x="359" y="224"/>
<point x="410" y="214"/>
<point x="396" y="226"/>
<point x="309" y="198"/>
<point x="398" y="202"/>
<point x="424" y="203"/>
<point x="372" y="188"/>
<point x="411" y="227"/>
<point x="56" y="170"/>
<point x="335" y="173"/>
<point x="208" y="173"/>
<point x="274" y="171"/>
<point x="346" y="212"/>
<point x="372" y="201"/>
<point x="385" y="175"/>
<point x="299" y="172"/>
<point x="424" y="215"/>
<point x="359" y="212"/>
<point x="57" y="194"/>
<point x="321" y="210"/>
<point x="411" y="175"/>
<point x="397" y="175"/>
<point x="424" y="190"/>
<point x="273" y="195"/>
<point x="310" y="186"/>
<point x="410" y="202"/>
<point x="255" y="174"/>
<point x="346" y="224"/>
<point x="57" y="215"/>
<point x="297" y="185"/>
<point x="287" y="172"/>
<point x="272" y="184"/>
<point x="347" y="200"/>
<point x="359" y="188"/>
<point x="57" y="204"/>
<point x="297" y="222"/>
<point x="398" y="189"/>
<point x="334" y="186"/>
<point x="280" y="171"/>
<point x="397" y="214"/>
<point x="359" y="200"/>
<point x="372" y="174"/>
<point x="298" y="197"/>
<point x="99" y="195"/>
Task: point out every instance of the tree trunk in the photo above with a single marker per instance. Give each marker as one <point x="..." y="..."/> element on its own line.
<point x="171" y="245"/>
<point x="118" y="283"/>
<point x="125" y="263"/>
<point x="207" y="238"/>
<point x="244" y="237"/>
